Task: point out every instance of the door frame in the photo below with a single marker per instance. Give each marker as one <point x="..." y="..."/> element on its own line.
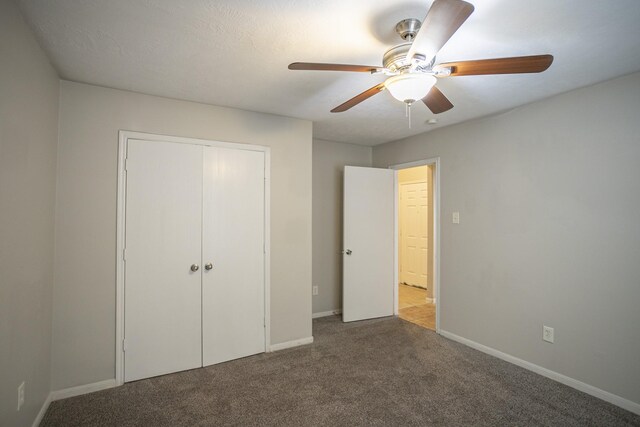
<point x="436" y="233"/>
<point x="123" y="138"/>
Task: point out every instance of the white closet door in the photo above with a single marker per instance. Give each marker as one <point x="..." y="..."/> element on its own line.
<point x="233" y="242"/>
<point x="368" y="260"/>
<point x="163" y="241"/>
<point x="413" y="213"/>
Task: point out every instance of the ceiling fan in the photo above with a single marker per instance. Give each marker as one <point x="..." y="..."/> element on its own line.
<point x="411" y="65"/>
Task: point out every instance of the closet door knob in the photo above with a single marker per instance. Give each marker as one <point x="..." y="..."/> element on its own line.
<point x="195" y="267"/>
<point x="208" y="266"/>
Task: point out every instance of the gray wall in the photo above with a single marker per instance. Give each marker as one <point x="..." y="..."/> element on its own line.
<point x="329" y="159"/>
<point x="549" y="200"/>
<point x="29" y="90"/>
<point x="85" y="281"/>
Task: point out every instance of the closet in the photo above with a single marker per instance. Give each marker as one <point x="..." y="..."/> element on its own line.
<point x="194" y="270"/>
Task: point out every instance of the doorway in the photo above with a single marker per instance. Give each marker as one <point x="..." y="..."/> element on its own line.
<point x="416" y="202"/>
<point x="371" y="284"/>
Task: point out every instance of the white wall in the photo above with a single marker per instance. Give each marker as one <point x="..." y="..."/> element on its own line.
<point x="28" y="137"/>
<point x="549" y="200"/>
<point x="84" y="294"/>
<point x="329" y="160"/>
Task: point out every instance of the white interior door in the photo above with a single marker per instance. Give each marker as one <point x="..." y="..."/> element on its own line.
<point x="163" y="241"/>
<point x="233" y="243"/>
<point x="368" y="260"/>
<point x="413" y="213"/>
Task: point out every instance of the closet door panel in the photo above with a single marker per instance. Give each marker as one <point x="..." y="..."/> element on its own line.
<point x="163" y="241"/>
<point x="233" y="242"/>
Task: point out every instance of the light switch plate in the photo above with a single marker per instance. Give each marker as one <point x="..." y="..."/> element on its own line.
<point x="456" y="218"/>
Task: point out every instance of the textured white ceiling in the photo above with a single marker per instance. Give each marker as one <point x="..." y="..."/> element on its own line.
<point x="235" y="53"/>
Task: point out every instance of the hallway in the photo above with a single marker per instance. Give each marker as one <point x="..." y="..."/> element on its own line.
<point x="413" y="307"/>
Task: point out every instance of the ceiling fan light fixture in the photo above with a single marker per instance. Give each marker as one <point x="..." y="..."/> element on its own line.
<point x="410" y="88"/>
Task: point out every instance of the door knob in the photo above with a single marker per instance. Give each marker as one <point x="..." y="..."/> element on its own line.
<point x="195" y="267"/>
<point x="348" y="252"/>
<point x="208" y="266"/>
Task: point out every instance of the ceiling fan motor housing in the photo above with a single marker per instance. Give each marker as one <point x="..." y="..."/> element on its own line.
<point x="395" y="59"/>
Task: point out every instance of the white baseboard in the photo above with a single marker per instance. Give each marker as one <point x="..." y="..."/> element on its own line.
<point x="71" y="392"/>
<point x="82" y="389"/>
<point x="326" y="313"/>
<point x="290" y="344"/>
<point x="43" y="411"/>
<point x="578" y="385"/>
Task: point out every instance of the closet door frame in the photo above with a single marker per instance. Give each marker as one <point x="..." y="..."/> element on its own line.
<point x="124" y="137"/>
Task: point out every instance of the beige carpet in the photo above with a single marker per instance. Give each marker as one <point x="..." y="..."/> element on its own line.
<point x="385" y="372"/>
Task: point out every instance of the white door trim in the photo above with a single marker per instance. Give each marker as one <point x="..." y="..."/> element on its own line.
<point x="436" y="232"/>
<point x="123" y="139"/>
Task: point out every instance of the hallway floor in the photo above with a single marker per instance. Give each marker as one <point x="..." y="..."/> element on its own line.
<point x="413" y="307"/>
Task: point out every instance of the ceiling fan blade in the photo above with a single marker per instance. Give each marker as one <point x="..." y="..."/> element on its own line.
<point x="442" y="21"/>
<point x="436" y="101"/>
<point x="332" y="67"/>
<point x="515" y="65"/>
<point x="359" y="98"/>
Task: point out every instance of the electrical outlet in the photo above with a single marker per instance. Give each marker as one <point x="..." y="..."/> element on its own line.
<point x="314" y="290"/>
<point x="20" y="395"/>
<point x="455" y="218"/>
<point x="547" y="334"/>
